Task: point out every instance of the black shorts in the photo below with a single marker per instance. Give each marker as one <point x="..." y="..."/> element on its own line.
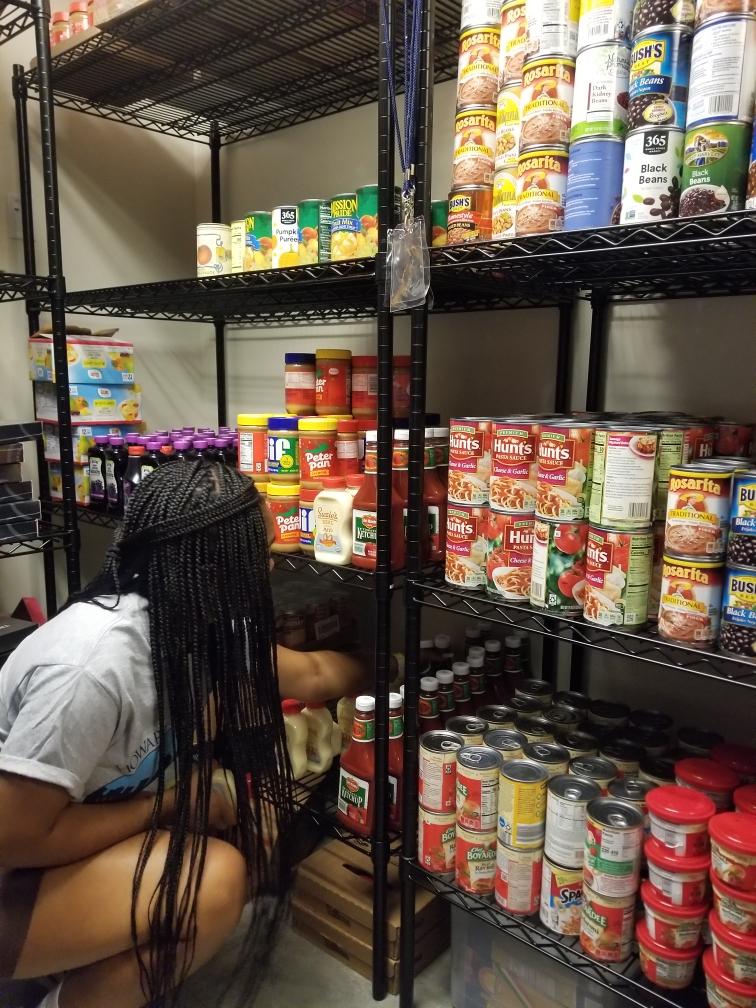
<point x="18" y="895"/>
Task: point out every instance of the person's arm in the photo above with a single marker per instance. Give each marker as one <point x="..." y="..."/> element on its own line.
<point x="317" y="676"/>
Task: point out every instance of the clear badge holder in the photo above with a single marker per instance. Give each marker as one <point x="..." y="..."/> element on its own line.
<point x="407" y="262"/>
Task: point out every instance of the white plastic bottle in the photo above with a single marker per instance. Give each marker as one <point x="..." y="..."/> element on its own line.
<point x="332" y="512"/>
<point x="296" y="737"/>
<point x="319" y="746"/>
<point x="345" y="709"/>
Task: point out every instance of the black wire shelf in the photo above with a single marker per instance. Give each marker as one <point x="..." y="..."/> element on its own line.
<point x="85" y="515"/>
<point x="624" y="979"/>
<point x="15" y="17"/>
<point x="252" y="68"/>
<point x="645" y="645"/>
<point x="17" y="286"/>
<point x="47" y="536"/>
<point x="346" y="575"/>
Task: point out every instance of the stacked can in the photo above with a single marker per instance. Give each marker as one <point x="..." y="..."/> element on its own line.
<point x="468" y="492"/>
<point x="658" y="96"/>
<point x="477" y="807"/>
<point x="512" y="54"/>
<point x="437" y="795"/>
<point x="599" y="115"/>
<point x="751" y="185"/>
<point x="548" y="84"/>
<point x="471" y="194"/>
<point x="720" y="110"/>
<point x="738" y="629"/>
<point x="521" y="832"/>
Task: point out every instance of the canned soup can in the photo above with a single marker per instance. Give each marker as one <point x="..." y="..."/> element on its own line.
<point x="478" y="68"/>
<point x="466" y="546"/>
<point x="613" y="840"/>
<point x="566" y="809"/>
<point x="565" y="463"/>
<point x="508" y="128"/>
<point x="478" y="788"/>
<point x="602" y="75"/>
<point x="622" y="485"/>
<point x="476" y="862"/>
<point x="437" y="785"/>
<point x="617" y="576"/>
<point x="604" y="21"/>
<point x="715" y="166"/>
<point x="514" y="41"/>
<point x="518" y="880"/>
<point x="698" y="511"/>
<point x="437" y="842"/>
<point x="541" y="189"/>
<point x="514" y="465"/>
<point x="659" y="73"/>
<point x="522" y="804"/>
<point x="723" y="71"/>
<point x="557" y="581"/>
<point x="510" y="556"/>
<point x="651" y="175"/>
<point x="561" y="901"/>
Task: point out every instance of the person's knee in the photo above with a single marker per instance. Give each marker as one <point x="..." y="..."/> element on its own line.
<point x="223" y="891"/>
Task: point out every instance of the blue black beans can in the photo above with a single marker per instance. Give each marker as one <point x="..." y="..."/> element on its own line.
<point x="594" y="183"/>
<point x="738" y="628"/>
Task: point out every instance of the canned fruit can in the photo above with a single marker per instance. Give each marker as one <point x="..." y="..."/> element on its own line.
<point x="469" y="460"/>
<point x="437" y="781"/>
<point x="285" y="237"/>
<point x="522" y="804"/>
<point x="557" y="577"/>
<point x="514" y="41"/>
<point x="541" y="188"/>
<point x="514" y="464"/>
<point x="345" y="226"/>
<point x="659" y="13"/>
<point x="518" y="880"/>
<point x="508" y="128"/>
<point x="367" y="216"/>
<point x="622" y="484"/>
<point x="738" y="630"/>
<point x="594" y="768"/>
<point x="213" y="249"/>
<point x="606" y="925"/>
<point x="478" y="788"/>
<point x="548" y="85"/>
<point x="476" y="862"/>
<point x="504" y="205"/>
<point x="613" y="840"/>
<point x="617" y="576"/>
<point x="258" y="244"/>
<point x="474" y="146"/>
<point x="479" y="12"/>
<point x="510" y="555"/>
<point x="553" y="27"/>
<point x="478" y="68"/>
<point x="308" y="224"/>
<point x="604" y="21"/>
<point x="671" y="451"/>
<point x="651" y="175"/>
<point x="691" y="598"/>
<point x="715" y="163"/>
<point x="469" y="219"/>
<point x="723" y="71"/>
<point x="437" y="842"/>
<point x="561" y="902"/>
<point x="659" y="72"/>
<point x="601" y="92"/>
<point x="594" y="183"/>
<point x="238" y="231"/>
<point x="566" y="805"/>
<point x="565" y="463"/>
<point x="698" y="511"/>
<point x="439" y="222"/>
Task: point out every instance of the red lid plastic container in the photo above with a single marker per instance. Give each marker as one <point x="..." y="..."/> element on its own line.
<point x="745" y="799"/>
<point x="721" y="990"/>
<point x="681" y="880"/>
<point x="655" y="900"/>
<point x="662" y="856"/>
<point x="715" y="779"/>
<point x="670" y="968"/>
<point x="740" y="758"/>
<point x="743" y="942"/>
<point x="736" y="909"/>
<point x="735" y="831"/>
<point x="679" y="817"/>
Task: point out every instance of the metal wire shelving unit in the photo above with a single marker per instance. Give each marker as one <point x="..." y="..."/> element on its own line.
<point x="15" y="17"/>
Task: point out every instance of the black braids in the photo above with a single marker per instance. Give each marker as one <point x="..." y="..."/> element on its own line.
<point x="212" y="638"/>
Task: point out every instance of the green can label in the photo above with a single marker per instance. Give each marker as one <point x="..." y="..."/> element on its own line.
<point x="308" y="218"/>
<point x="715" y="166"/>
<point x="283" y="455"/>
<point x="345" y="227"/>
<point x="558" y="573"/>
<point x="354" y="797"/>
<point x="367" y="212"/>
<point x="439" y="222"/>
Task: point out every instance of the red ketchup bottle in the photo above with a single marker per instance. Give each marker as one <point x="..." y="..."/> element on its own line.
<point x="427" y="706"/>
<point x="357" y="772"/>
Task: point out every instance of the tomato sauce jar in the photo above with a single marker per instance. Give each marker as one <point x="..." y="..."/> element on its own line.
<point x="681" y="880"/>
<point x="333" y="382"/>
<point x="679" y="819"/>
<point x="713" y="779"/>
<point x="736" y="908"/>
<point x="669" y="968"/>
<point x="721" y="990"/>
<point x="734" y="953"/>
<point x="733" y="849"/>
<point x="676" y="927"/>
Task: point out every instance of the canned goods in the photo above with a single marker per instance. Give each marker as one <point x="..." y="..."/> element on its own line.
<point x="469" y="217"/>
<point x="506" y="741"/>
<point x="651" y="175"/>
<point x="476" y="862"/>
<point x="604" y="21"/>
<point x="671" y="451"/>
<point x="634" y="791"/>
<point x="285" y="237"/>
<point x="698" y="510"/>
<point x="258" y="240"/>
<point x="562" y="719"/>
<point x="345" y="226"/>
<point x="742" y="546"/>
<point x="437" y="842"/>
<point x="498" y="717"/>
<point x="508" y="128"/>
<point x="566" y="804"/>
<point x="518" y="879"/>
<point x="558" y="572"/>
<point x="624" y="755"/>
<point x="738" y="631"/>
<point x="553" y="757"/>
<point x="614" y="834"/>
<point x="658" y="13"/>
<point x="470" y="729"/>
<point x="657" y="562"/>
<point x="522" y="804"/>
<point x="606" y="925"/>
<point x="534" y="728"/>
<point x="514" y="41"/>
<point x="565" y="462"/>
<point x="537" y="690"/>
<point x="514" y="442"/>
<point x="465" y="564"/>
<point x="594" y="768"/>
<point x="478" y="788"/>
<point x="579" y="744"/>
<point x="723" y="71"/>
<point x="594" y="183"/>
<point x="479" y="12"/>
<point x="308" y="230"/>
<point x="691" y="596"/>
<point x="607" y="714"/>
<point x="617" y="576"/>
<point x="510" y="555"/>
<point x="324" y="231"/>
<point x="213" y="249"/>
<point x="571" y="698"/>
<point x="715" y="166"/>
<point x="697" y="741"/>
<point x="474" y="146"/>
<point x="622" y="484"/>
<point x="478" y="68"/>
<point x="553" y="27"/>
<point x="659" y="72"/>
<point x="561" y="901"/>
<point x="602" y="74"/>
<point x="524" y="708"/>
<point x="504" y="205"/>
<point x="548" y="85"/>
<point x="541" y="188"/>
<point x="469" y="460"/>
<point x="437" y="781"/>
<point x="732" y="438"/>
<point x="439" y="221"/>
<point x="237" y="238"/>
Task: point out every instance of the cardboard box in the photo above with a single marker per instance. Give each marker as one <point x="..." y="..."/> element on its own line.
<point x="14" y="531"/>
<point x="91" y="403"/>
<point x="90" y="360"/>
<point x="82" y="438"/>
<point x="13" y="511"/>
<point x="10" y="472"/>
<point x="19" y="491"/>
<point x="81" y="483"/>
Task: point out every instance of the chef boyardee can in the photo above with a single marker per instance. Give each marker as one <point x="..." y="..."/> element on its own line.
<point x="659" y="72"/>
<point x="594" y="183"/>
<point x="651" y="175"/>
<point x="715" y="166"/>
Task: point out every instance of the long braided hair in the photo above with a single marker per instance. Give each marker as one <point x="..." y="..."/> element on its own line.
<point x="194" y="544"/>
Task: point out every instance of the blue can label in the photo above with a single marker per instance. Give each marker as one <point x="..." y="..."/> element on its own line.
<point x="659" y="72"/>
<point x="739" y="601"/>
<point x="594" y="184"/>
<point x="743" y="506"/>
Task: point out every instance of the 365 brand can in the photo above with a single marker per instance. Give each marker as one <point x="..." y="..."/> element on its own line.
<point x="522" y="804"/>
<point x="565" y="461"/>
<point x="566" y="805"/>
<point x="476" y="862"/>
<point x="514" y="41"/>
<point x="617" y="576"/>
<point x="437" y="782"/>
<point x="557" y="576"/>
<point x="715" y="166"/>
<point x="659" y="72"/>
<point x="514" y="464"/>
<point x="548" y="84"/>
<point x="478" y="68"/>
<point x="738" y="631"/>
<point x="561" y="901"/>
<point x="469" y="460"/>
<point x="723" y="71"/>
<point x="698" y="510"/>
<point x="651" y="175"/>
<point x="504" y="205"/>
<point x="691" y="598"/>
<point x="622" y="484"/>
<point x="437" y="842"/>
<point x="510" y="556"/>
<point x="474" y="146"/>
<point x="478" y="788"/>
<point x="606" y="925"/>
<point x="508" y="128"/>
<point x="285" y="237"/>
<point x="613" y="839"/>
<point x="518" y="879"/>
<point x="553" y="27"/>
<point x="602" y="74"/>
<point x="604" y="21"/>
<point x="541" y="188"/>
<point x="469" y="218"/>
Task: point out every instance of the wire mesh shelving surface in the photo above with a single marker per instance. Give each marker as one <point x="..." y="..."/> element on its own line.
<point x="47" y="535"/>
<point x="15" y="17"/>
<point x="16" y="286"/>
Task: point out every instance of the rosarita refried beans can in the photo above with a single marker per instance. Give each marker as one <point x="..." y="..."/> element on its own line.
<point x="698" y="510"/>
<point x="691" y="600"/>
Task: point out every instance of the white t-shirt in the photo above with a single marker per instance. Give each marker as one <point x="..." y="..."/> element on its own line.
<point x="77" y="702"/>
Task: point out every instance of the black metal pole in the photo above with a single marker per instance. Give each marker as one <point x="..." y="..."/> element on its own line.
<point x="219" y="322"/>
<point x="419" y="348"/>
<point x="595" y="389"/>
<point x="57" y="286"/>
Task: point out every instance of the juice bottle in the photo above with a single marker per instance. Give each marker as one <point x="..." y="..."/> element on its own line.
<point x="201" y="446"/>
<point x="478" y="687"/>
<point x="319" y="738"/>
<point x="395" y="760"/>
<point x="357" y="773"/>
<point x="296" y="737"/>
<point x="462" y="694"/>
<point x="151" y="458"/>
<point x="98" y="500"/>
<point x="434" y="501"/>
<point x="446" y="703"/>
<point x="132" y="477"/>
<point x="116" y="459"/>
<point x="428" y="705"/>
<point x="182" y="449"/>
<point x="167" y="453"/>
<point x="365" y="516"/>
<point x="345" y="718"/>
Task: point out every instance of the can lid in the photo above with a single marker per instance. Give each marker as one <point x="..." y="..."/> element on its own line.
<point x="745" y="799"/>
<point x="561" y="716"/>
<point x="742" y="895"/>
<point x="283" y="423"/>
<point x="663" y="951"/>
<point x="442" y="741"/>
<point x="671" y="861"/>
<point x="706" y="775"/>
<point x="739" y="990"/>
<point x="740" y="758"/>
<point x="546" y="752"/>
<point x="609" y="710"/>
<point x="658" y="768"/>
<point x="653" y="719"/>
<point x="577" y="789"/>
<point x="534" y="687"/>
<point x="734" y="830"/>
<point x="429" y="684"/>
<point x="593" y="767"/>
<point x="526" y="771"/>
<point x="300" y="358"/>
<point x="652" y="898"/>
<point x="580" y="741"/>
<point x="253" y="419"/>
<point x="612" y="812"/>
<point x="479" y="757"/>
<point x="496" y="712"/>
<point x="283" y="489"/>
<point x="505" y="738"/>
<point x="317" y="424"/>
<point x="630" y="789"/>
<point x="333" y="354"/>
<point x="570" y="698"/>
<point x="466" y="725"/>
<point x="680" y="804"/>
<point x="742" y="942"/>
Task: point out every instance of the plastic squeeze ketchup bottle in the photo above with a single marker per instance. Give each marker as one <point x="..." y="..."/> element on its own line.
<point x="357" y="772"/>
<point x="365" y="516"/>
